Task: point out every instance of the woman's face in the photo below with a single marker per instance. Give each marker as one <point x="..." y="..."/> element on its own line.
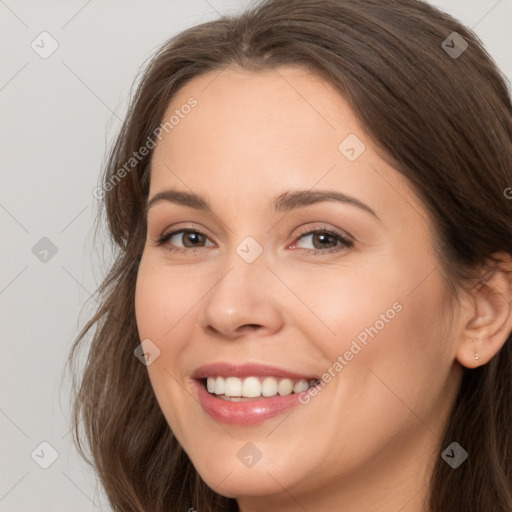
<point x="365" y="315"/>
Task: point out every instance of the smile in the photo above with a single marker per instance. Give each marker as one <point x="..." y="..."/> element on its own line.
<point x="248" y="394"/>
<point x="236" y="389"/>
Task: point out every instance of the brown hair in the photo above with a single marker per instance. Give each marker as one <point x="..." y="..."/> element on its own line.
<point x="444" y="122"/>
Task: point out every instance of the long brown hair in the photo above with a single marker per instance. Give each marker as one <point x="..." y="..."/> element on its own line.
<point x="443" y="120"/>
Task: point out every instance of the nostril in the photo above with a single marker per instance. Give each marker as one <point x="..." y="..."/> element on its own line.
<point x="250" y="326"/>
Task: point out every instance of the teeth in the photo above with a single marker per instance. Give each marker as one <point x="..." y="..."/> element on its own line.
<point x="220" y="385"/>
<point x="300" y="386"/>
<point x="285" y="387"/>
<point x="233" y="387"/>
<point x="253" y="387"/>
<point x="269" y="387"/>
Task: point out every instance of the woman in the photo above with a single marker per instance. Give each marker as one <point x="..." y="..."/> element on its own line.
<point x="310" y="304"/>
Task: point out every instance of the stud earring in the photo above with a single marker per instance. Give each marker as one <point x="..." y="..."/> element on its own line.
<point x="477" y="355"/>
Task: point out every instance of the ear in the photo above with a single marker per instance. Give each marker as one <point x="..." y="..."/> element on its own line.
<point x="487" y="315"/>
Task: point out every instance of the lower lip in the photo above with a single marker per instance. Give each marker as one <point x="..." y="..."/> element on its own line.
<point x="244" y="413"/>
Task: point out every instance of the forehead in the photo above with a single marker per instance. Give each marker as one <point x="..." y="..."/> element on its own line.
<point x="243" y="118"/>
<point x="257" y="134"/>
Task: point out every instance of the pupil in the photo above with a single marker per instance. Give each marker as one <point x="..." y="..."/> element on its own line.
<point x="194" y="235"/>
<point x="323" y="237"/>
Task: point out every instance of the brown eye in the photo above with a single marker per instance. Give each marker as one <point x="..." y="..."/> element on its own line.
<point x="323" y="240"/>
<point x="191" y="239"/>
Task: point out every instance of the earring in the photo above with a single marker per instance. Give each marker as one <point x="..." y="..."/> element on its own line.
<point x="477" y="355"/>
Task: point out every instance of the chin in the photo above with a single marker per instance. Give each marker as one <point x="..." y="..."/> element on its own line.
<point x="239" y="482"/>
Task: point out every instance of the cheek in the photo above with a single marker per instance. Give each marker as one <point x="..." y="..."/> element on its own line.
<point x="388" y="341"/>
<point x="157" y="307"/>
<point x="152" y="306"/>
<point x="350" y="307"/>
<point x="163" y="301"/>
<point x="388" y="308"/>
<point x="402" y="355"/>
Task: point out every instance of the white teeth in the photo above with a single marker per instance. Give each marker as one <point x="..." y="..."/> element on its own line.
<point x="253" y="387"/>
<point x="285" y="387"/>
<point x="300" y="386"/>
<point x="269" y="386"/>
<point x="233" y="387"/>
<point x="220" y="386"/>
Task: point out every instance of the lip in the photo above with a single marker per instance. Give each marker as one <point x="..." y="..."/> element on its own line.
<point x="250" y="412"/>
<point x="244" y="413"/>
<point x="224" y="369"/>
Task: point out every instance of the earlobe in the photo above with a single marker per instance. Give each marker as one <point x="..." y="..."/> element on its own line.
<point x="488" y="317"/>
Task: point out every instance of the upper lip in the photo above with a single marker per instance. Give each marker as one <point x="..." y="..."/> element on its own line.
<point x="241" y="370"/>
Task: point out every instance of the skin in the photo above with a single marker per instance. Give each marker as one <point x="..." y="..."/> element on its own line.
<point x="366" y="440"/>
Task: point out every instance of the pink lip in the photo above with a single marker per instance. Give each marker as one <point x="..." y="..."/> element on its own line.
<point x="250" y="412"/>
<point x="244" y="413"/>
<point x="245" y="370"/>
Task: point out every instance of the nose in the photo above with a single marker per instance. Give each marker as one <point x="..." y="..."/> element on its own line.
<point x="245" y="300"/>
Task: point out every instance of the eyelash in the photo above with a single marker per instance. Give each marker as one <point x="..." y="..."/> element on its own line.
<point x="344" y="241"/>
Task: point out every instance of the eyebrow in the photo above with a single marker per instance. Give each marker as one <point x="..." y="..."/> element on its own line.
<point x="285" y="202"/>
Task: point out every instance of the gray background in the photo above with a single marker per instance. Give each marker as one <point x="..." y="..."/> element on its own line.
<point x="58" y="114"/>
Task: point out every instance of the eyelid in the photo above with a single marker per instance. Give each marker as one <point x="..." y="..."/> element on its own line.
<point x="338" y="232"/>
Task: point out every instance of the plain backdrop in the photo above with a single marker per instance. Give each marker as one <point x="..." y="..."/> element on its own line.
<point x="58" y="115"/>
